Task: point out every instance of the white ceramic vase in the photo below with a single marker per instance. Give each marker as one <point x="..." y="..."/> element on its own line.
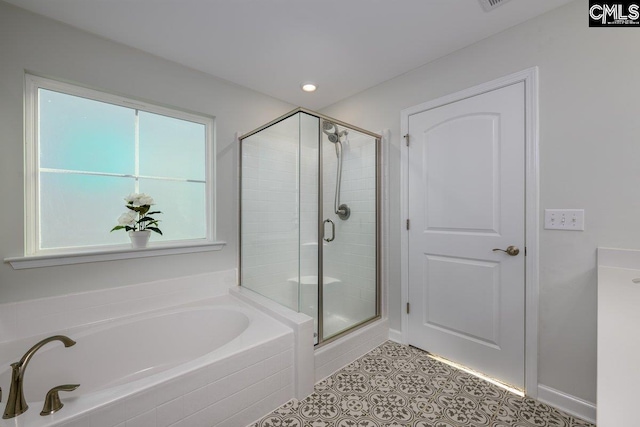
<point x="139" y="239"/>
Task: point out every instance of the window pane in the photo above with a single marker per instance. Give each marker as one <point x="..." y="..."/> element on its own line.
<point x="182" y="205"/>
<point x="77" y="139"/>
<point x="81" y="134"/>
<point x="171" y="147"/>
<point x="79" y="210"/>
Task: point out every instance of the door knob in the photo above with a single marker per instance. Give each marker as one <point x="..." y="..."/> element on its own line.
<point x="511" y="250"/>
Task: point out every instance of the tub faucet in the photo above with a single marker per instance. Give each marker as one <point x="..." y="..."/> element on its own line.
<point x="16" y="404"/>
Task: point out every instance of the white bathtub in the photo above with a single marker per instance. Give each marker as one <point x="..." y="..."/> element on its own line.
<point x="215" y="362"/>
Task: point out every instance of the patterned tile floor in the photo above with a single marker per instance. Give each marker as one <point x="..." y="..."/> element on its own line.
<point x="396" y="385"/>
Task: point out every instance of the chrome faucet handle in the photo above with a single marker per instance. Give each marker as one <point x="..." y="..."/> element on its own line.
<point x="52" y="402"/>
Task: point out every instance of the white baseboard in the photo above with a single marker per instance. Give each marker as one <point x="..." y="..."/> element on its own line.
<point x="567" y="403"/>
<point x="395" y="335"/>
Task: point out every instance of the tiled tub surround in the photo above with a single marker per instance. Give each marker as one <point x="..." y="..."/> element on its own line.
<point x="313" y="364"/>
<point x="205" y="375"/>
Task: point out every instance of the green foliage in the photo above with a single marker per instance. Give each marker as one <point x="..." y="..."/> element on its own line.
<point x="156" y="229"/>
<point x="143" y="222"/>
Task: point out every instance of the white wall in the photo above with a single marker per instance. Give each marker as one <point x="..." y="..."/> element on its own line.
<point x="46" y="47"/>
<point x="589" y="156"/>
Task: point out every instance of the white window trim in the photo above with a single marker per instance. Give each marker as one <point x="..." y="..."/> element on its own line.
<point x="32" y="254"/>
<point x="111" y="254"/>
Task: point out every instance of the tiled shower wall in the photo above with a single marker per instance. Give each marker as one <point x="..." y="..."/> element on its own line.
<point x="270" y="212"/>
<point x="280" y="212"/>
<point x="309" y="171"/>
<point x="351" y="257"/>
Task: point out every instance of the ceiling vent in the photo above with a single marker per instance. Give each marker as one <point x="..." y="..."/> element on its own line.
<point x="489" y="5"/>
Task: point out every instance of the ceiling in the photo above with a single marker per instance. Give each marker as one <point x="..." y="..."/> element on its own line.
<point x="272" y="46"/>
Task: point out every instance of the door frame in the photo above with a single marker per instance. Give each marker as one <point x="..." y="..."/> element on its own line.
<point x="532" y="209"/>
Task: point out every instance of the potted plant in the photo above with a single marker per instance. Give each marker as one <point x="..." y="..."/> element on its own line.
<point x="137" y="219"/>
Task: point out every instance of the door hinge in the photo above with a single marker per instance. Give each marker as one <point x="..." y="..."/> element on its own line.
<point x="406" y="139"/>
<point x="407" y="224"/>
<point x="408" y="308"/>
<point x="525" y="251"/>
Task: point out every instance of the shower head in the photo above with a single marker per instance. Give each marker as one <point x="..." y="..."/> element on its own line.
<point x="331" y="130"/>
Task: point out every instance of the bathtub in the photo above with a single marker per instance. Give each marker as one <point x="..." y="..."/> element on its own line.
<point x="217" y="361"/>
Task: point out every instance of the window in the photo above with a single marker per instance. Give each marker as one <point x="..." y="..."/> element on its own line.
<point x="87" y="150"/>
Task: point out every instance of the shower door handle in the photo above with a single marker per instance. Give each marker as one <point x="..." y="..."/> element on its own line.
<point x="333" y="230"/>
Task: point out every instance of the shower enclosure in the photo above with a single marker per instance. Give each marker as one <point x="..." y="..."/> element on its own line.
<point x="309" y="219"/>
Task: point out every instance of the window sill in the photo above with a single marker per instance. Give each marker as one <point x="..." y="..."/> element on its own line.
<point x="49" y="260"/>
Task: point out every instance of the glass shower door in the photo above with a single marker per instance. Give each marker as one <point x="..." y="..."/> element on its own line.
<point x="308" y="208"/>
<point x="270" y="214"/>
<point x="349" y="230"/>
<point x="308" y="219"/>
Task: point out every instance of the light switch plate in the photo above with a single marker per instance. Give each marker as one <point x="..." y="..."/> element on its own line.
<point x="564" y="219"/>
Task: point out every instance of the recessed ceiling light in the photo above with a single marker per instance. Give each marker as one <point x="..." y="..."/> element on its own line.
<point x="309" y="87"/>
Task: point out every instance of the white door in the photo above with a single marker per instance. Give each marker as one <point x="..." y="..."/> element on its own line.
<point x="467" y="198"/>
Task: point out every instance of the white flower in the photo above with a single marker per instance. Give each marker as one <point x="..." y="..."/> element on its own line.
<point x="138" y="205"/>
<point x="143" y="199"/>
<point x="127" y="218"/>
<point x="139" y="199"/>
<point x="131" y="198"/>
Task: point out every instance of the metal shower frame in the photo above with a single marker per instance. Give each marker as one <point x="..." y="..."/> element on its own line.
<point x="378" y="181"/>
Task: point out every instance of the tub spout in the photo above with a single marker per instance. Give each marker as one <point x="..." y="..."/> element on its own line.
<point x="16" y="404"/>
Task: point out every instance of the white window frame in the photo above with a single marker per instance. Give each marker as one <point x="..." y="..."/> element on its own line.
<point x="32" y="167"/>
